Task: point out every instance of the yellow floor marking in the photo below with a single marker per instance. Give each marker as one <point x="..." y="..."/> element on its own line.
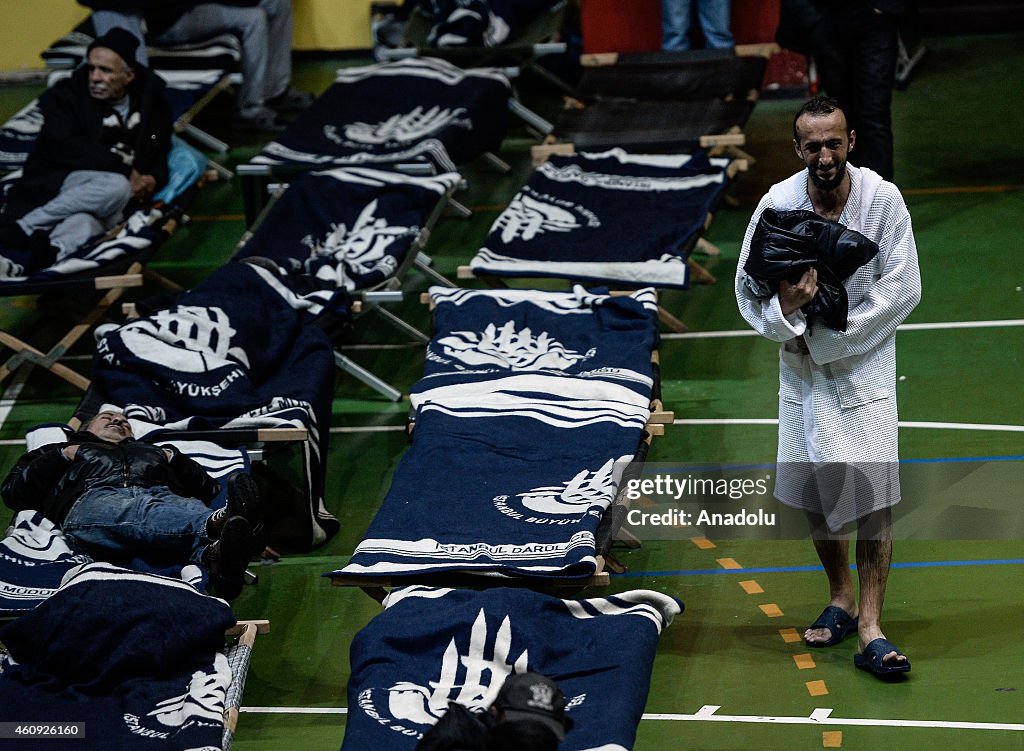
<point x="789" y="635"/>
<point x="751" y="587"/>
<point x="832" y="739"/>
<point x="816" y="688"/>
<point x="727" y="563"/>
<point x="217" y="217"/>
<point x="771" y="610"/>
<point x="702" y="542"/>
<point x="804" y="662"/>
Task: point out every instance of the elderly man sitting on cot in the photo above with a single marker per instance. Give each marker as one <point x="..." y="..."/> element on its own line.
<point x="104" y="142"/>
<point x="117" y="498"/>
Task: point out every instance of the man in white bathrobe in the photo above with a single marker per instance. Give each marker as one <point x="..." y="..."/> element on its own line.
<point x="837" y="455"/>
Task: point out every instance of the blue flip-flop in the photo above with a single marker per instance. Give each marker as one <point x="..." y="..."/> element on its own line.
<point x="839" y="623"/>
<point x="872" y="659"/>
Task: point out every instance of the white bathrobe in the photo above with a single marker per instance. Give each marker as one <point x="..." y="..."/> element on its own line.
<point x="837" y="405"/>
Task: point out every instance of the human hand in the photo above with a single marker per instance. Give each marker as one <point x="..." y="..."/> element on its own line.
<point x="792" y="297"/>
<point x="70" y="452"/>
<point x="142" y="185"/>
<point x="168" y="453"/>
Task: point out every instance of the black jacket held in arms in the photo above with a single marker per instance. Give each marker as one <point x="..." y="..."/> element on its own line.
<point x="45" y="480"/>
<point x="74" y="137"/>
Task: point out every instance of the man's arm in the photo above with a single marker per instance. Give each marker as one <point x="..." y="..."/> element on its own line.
<point x="887" y="304"/>
<point x="33" y="477"/>
<point x="767" y="317"/>
<point x="66" y="141"/>
<point x="191" y="478"/>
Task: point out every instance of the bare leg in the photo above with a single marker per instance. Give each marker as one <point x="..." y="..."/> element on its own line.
<point x="833" y="552"/>
<point x="874" y="554"/>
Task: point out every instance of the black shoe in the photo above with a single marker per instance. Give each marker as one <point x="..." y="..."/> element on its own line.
<point x="292" y="100"/>
<point x="243" y="500"/>
<point x="227" y="558"/>
<point x="263" y="120"/>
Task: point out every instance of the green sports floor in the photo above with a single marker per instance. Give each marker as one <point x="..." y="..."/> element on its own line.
<point x="956" y="606"/>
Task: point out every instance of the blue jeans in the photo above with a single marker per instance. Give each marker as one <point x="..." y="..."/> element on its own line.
<point x="714" y="22"/>
<point x="136" y="521"/>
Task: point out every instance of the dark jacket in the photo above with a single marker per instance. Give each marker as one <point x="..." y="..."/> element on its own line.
<point x="44" y="480"/>
<point x="74" y="137"/>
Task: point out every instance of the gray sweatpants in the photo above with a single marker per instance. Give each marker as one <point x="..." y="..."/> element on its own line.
<point x="89" y="202"/>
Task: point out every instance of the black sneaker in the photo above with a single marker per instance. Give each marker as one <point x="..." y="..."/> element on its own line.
<point x="243" y="500"/>
<point x="227" y="558"/>
<point x="292" y="100"/>
<point x="263" y="120"/>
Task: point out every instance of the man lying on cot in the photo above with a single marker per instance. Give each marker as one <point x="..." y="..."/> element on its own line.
<point x="118" y="498"/>
<point x="104" y="142"/>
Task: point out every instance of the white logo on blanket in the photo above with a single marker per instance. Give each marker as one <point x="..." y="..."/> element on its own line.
<point x="406" y="127"/>
<point x="505" y="347"/>
<point x="585" y="493"/>
<point x="202" y="703"/>
<point x="186" y="338"/>
<point x="362" y="249"/>
<point x="468" y="677"/>
<point x="527" y="217"/>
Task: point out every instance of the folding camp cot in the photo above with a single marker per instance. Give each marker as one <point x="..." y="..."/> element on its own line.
<point x="102" y="269"/>
<point x="626" y="220"/>
<point x="359" y="230"/>
<point x="195" y="73"/>
<point x="508" y="37"/>
<point x="530" y="409"/>
<point x="126" y="655"/>
<point x="430" y="647"/>
<point x="236" y="357"/>
<point x="422" y="116"/>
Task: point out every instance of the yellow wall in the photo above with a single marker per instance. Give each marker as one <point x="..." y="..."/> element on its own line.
<point x="27" y="27"/>
<point x="319" y="25"/>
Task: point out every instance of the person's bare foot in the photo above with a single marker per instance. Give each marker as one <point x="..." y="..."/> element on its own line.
<point x="868" y="635"/>
<point x="820" y="636"/>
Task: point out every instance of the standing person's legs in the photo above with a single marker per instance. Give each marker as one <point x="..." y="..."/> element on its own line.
<point x="833" y="552"/>
<point x="132" y="521"/>
<point x="89" y="202"/>
<point x="249" y="25"/>
<point x="714" y="21"/>
<point x="675" y="25"/>
<point x="874" y="555"/>
<point x="279" y="47"/>
<point x="877" y="54"/>
<point x="105" y="20"/>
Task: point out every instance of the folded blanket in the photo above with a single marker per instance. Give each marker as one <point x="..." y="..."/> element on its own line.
<point x="135" y="657"/>
<point x="34" y="557"/>
<point x="610" y="217"/>
<point x="421" y="110"/>
<point x="432" y="646"/>
<point x="351" y="228"/>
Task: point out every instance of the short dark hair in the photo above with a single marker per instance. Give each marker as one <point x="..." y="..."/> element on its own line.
<point x="819" y="105"/>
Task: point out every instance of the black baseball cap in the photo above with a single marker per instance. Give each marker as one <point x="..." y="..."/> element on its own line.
<point x="532" y="696"/>
<point x="121" y="41"/>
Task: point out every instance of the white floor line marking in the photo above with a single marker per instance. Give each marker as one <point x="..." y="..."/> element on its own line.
<point x="902" y="424"/>
<point x="294" y="710"/>
<point x="817" y="718"/>
<point x="707" y="713"/>
<point x="11" y="394"/>
<point x="371" y="429"/>
<point x="935" y="326"/>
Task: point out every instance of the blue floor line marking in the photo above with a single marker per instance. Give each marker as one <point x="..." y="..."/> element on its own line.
<point x="804" y="569"/>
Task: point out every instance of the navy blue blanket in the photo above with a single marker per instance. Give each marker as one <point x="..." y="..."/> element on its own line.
<point x="532" y="405"/>
<point x="136" y="657"/>
<point x="592" y="337"/>
<point x="432" y="646"/>
<point x="349" y="227"/>
<point x="609" y="217"/>
<point x="238" y="350"/>
<point x="422" y="110"/>
<point x="34" y="557"/>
